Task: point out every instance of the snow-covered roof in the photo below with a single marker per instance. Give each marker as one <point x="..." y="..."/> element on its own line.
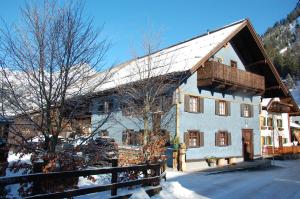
<point x="295" y="125"/>
<point x="177" y="58"/>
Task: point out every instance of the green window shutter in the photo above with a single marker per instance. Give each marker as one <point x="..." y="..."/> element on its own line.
<point x="186" y="103"/>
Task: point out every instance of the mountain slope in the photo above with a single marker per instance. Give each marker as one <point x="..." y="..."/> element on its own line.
<point x="282" y="42"/>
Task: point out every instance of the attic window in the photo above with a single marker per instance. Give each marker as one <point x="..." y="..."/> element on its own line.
<point x="233" y="64"/>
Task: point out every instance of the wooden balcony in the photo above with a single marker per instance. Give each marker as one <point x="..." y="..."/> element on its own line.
<point x="223" y="77"/>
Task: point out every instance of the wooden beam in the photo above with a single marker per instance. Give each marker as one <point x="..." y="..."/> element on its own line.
<point x="273" y="88"/>
<point x="257" y="62"/>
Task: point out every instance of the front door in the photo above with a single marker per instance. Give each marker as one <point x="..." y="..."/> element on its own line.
<point x="247" y="141"/>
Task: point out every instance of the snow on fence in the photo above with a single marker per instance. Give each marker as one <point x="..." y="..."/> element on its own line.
<point x="152" y="174"/>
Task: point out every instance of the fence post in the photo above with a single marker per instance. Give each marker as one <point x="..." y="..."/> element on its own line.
<point x="114" y="177"/>
<point x="37" y="167"/>
<point x="145" y="172"/>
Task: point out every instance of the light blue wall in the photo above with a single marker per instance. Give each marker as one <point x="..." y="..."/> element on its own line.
<point x="209" y="123"/>
<point x="227" y="53"/>
<point x="117" y="123"/>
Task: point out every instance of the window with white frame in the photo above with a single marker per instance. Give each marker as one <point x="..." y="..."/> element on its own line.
<point x="222" y="107"/>
<point x="193" y="104"/>
<point x="246" y="110"/>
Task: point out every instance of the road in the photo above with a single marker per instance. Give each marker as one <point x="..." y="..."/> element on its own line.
<point x="280" y="181"/>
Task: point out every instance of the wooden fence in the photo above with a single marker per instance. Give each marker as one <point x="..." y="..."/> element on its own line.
<point x="157" y="172"/>
<point x="268" y="150"/>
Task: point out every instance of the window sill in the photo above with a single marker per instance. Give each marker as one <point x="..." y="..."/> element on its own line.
<point x="193" y="147"/>
<point x="222" y="115"/>
<point x="193" y="112"/>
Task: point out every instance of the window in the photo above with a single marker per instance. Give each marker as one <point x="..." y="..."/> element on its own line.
<point x="246" y="110"/>
<point x="126" y="110"/>
<point x="223" y="138"/>
<point x="263" y="123"/>
<point x="131" y="137"/>
<point x="270" y="123"/>
<point x="222" y="108"/>
<point x="194" y="139"/>
<point x="105" y="106"/>
<point x="104" y="133"/>
<point x="233" y="64"/>
<point x="193" y="104"/>
<point x="285" y="140"/>
<point x="219" y="59"/>
<point x="268" y="140"/>
<point x="279" y="124"/>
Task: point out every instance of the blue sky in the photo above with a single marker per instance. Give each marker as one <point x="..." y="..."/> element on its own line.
<point x="125" y="22"/>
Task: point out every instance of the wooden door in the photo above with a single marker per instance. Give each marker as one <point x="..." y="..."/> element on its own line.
<point x="247" y="141"/>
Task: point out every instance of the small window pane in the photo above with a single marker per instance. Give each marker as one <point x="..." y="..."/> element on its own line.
<point x="222" y="108"/>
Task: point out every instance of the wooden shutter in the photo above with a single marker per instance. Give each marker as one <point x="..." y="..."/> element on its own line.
<point x="198" y="138"/>
<point x="186" y="103"/>
<point x="200" y="104"/>
<point x="186" y="139"/>
<point x="217" y="139"/>
<point x="228" y="138"/>
<point x="227" y="109"/>
<point x="217" y="109"/>
<point x="201" y="139"/>
<point x="250" y="110"/>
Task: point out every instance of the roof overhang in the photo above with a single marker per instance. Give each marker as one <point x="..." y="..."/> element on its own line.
<point x="253" y="55"/>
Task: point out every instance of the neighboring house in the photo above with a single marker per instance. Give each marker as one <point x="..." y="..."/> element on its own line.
<point x="275" y="123"/>
<point x="215" y="109"/>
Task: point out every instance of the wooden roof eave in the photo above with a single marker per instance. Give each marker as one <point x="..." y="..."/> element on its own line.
<point x="217" y="48"/>
<point x="268" y="61"/>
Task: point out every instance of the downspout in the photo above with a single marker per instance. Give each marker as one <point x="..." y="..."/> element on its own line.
<point x="273" y="139"/>
<point x="289" y="127"/>
<point x="177" y="113"/>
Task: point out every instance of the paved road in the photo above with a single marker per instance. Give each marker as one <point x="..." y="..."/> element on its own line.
<point x="280" y="181"/>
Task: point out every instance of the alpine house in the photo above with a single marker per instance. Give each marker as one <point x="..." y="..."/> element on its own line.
<point x="216" y="104"/>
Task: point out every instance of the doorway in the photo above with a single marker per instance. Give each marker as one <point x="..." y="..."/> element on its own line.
<point x="247" y="141"/>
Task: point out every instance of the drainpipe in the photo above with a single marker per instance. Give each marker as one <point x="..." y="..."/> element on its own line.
<point x="177" y="112"/>
<point x="273" y="132"/>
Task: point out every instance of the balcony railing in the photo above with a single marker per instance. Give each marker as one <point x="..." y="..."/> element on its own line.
<point x="217" y="74"/>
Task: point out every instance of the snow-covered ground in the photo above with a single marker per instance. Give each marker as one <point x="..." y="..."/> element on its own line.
<point x="16" y="158"/>
<point x="280" y="182"/>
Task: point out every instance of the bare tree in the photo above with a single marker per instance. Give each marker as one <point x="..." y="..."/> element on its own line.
<point x="50" y="67"/>
<point x="147" y="94"/>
